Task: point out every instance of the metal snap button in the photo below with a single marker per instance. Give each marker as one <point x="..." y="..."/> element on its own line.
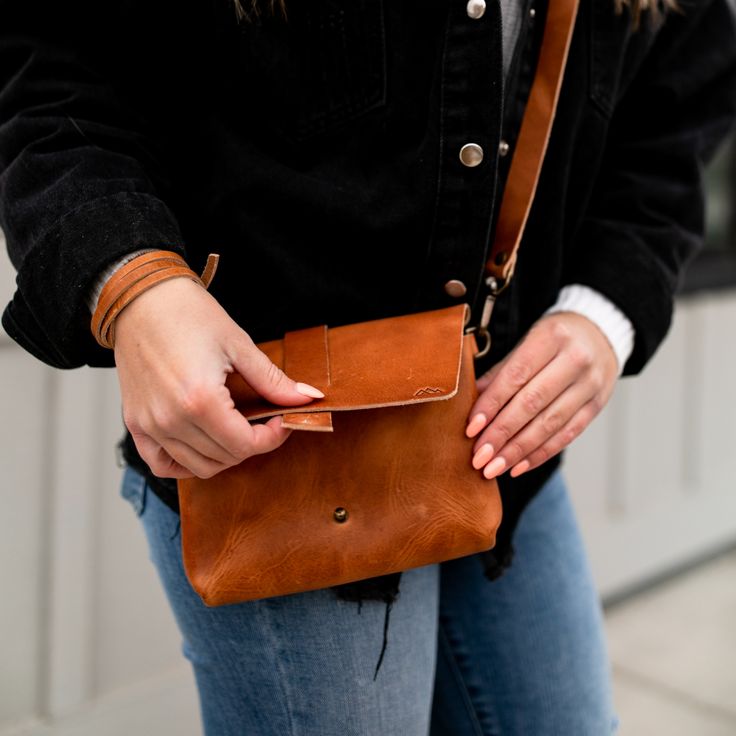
<point x="471" y="154"/>
<point x="503" y="148"/>
<point x="475" y="8"/>
<point x="532" y="13"/>
<point x="340" y="514"/>
<point x="455" y="288"/>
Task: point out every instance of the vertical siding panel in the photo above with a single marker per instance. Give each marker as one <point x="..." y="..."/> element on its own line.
<point x="652" y="431"/>
<point x="673" y="428"/>
<point x="71" y="673"/>
<point x="695" y="315"/>
<point x="586" y="468"/>
<point x="137" y="634"/>
<point x="24" y="401"/>
<point x="716" y="443"/>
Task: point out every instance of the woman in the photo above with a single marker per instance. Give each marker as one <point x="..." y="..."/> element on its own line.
<point x="295" y="144"/>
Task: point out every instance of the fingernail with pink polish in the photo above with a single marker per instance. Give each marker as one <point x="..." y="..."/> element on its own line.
<point x="476" y="424"/>
<point x="483" y="456"/>
<point x="306" y="390"/>
<point x="494" y="468"/>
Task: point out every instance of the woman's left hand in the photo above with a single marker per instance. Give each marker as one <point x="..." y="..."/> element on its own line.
<point x="540" y="397"/>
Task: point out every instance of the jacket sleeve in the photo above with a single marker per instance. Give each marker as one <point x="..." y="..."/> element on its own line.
<point x="79" y="178"/>
<point x="645" y="219"/>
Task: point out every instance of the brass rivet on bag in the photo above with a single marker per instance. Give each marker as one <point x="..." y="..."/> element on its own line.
<point x="501" y="257"/>
<point x="341" y="514"/>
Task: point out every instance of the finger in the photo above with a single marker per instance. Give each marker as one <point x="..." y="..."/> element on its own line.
<point x="170" y="468"/>
<point x="538" y="431"/>
<point x="181" y="421"/>
<point x="161" y="463"/>
<point x="218" y="418"/>
<point x="171" y="457"/>
<point x="189" y="458"/>
<point x="269" y="436"/>
<point x="527" y="404"/>
<point x="559" y="441"/>
<point x="203" y="443"/>
<point x="533" y="354"/>
<point x="167" y="432"/>
<point x="257" y="440"/>
<point x="267" y="379"/>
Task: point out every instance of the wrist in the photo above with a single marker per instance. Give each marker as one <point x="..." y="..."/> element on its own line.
<point x="133" y="279"/>
<point x="611" y="321"/>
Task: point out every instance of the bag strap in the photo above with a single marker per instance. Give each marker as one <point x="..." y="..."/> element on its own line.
<point x="531" y="146"/>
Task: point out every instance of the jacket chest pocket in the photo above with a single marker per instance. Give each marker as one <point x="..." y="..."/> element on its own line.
<point x="316" y="71"/>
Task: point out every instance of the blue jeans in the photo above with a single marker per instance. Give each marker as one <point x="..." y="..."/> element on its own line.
<point x="523" y="656"/>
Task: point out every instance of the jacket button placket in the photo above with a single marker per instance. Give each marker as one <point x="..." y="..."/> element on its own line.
<point x="472" y="82"/>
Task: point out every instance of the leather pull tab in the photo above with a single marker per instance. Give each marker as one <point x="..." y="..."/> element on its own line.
<point x="306" y="358"/>
<point x="317" y="421"/>
<point x="213" y="260"/>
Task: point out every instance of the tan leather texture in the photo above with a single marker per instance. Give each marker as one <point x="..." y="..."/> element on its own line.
<point x="400" y="360"/>
<point x="390" y="488"/>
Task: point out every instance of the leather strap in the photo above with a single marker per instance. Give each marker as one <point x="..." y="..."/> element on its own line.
<point x="107" y="331"/>
<point x="306" y="351"/>
<point x="307" y="359"/>
<point x="531" y="146"/>
<point x="135" y="277"/>
<point x="127" y="276"/>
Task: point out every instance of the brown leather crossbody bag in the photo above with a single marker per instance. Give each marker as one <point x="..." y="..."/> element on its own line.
<point x="377" y="479"/>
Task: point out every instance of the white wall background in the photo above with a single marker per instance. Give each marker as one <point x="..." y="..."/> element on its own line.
<point x="87" y="643"/>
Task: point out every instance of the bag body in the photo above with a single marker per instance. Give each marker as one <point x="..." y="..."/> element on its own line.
<point x="377" y="479"/>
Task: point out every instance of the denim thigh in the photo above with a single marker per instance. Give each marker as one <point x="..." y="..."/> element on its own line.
<point x="525" y="655"/>
<point x="302" y="663"/>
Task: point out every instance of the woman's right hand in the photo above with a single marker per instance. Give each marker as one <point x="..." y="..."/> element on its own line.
<point x="174" y="348"/>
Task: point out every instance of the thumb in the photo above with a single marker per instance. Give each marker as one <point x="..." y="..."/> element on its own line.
<point x="268" y="380"/>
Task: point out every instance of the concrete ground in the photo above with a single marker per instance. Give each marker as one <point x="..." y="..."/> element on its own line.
<point x="673" y="650"/>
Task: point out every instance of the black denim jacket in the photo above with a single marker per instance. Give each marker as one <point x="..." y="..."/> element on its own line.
<point x="319" y="157"/>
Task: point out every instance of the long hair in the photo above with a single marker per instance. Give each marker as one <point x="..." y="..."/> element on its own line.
<point x="637" y="7"/>
<point x="248" y="10"/>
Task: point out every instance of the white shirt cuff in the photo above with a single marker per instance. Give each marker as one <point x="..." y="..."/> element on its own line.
<point x="611" y="321"/>
<point x="94" y="293"/>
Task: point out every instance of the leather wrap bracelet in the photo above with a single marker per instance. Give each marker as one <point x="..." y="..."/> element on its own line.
<point x="136" y="277"/>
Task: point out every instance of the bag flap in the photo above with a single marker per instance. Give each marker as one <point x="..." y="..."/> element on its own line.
<point x="388" y="362"/>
